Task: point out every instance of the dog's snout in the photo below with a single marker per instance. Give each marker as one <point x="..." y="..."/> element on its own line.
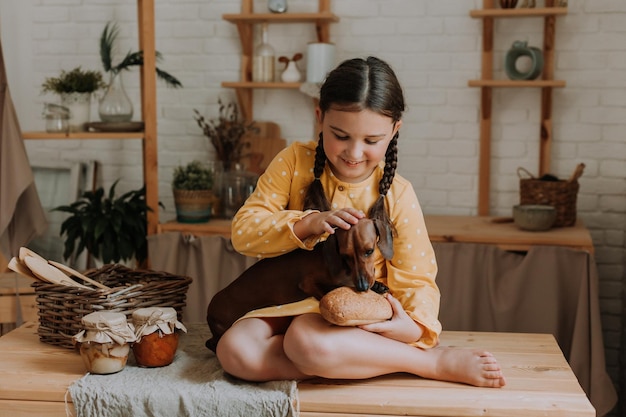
<point x="362" y="284"/>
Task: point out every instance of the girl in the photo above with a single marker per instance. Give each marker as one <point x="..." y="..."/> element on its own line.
<point x="307" y="191"/>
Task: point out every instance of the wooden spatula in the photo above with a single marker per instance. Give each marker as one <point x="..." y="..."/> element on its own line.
<point x="72" y="272"/>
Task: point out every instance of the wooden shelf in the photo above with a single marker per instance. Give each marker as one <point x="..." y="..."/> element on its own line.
<point x="83" y="135"/>
<point x="250" y="84"/>
<point x="519" y="12"/>
<point x="462" y="229"/>
<point x="547" y="82"/>
<point x="255" y="18"/>
<point x="219" y="227"/>
<point x="517" y="83"/>
<point x="245" y="22"/>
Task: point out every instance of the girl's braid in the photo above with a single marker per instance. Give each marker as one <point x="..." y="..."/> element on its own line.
<point x="315" y="198"/>
<point x="377" y="211"/>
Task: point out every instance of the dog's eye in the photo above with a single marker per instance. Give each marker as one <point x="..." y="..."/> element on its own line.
<point x="369" y="253"/>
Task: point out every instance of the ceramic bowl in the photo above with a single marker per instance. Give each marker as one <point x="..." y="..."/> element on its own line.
<point x="534" y="217"/>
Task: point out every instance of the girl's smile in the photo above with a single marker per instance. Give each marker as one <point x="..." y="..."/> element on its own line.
<point x="356" y="142"/>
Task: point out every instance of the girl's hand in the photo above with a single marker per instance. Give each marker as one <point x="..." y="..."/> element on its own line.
<point x="326" y="222"/>
<point x="400" y="327"/>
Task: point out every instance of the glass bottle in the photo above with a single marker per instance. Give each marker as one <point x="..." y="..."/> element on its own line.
<point x="263" y="59"/>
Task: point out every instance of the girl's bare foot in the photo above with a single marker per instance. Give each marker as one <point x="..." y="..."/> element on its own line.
<point x="469" y="366"/>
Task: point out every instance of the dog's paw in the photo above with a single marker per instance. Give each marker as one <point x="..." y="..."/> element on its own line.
<point x="379" y="288"/>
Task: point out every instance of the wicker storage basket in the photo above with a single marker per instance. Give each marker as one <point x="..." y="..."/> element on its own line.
<point x="561" y="194"/>
<point x="62" y="307"/>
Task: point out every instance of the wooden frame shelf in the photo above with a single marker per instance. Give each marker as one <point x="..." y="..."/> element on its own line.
<point x="516" y="83"/>
<point x="254" y="18"/>
<point x="245" y="22"/>
<point x="521" y="12"/>
<point x="486" y="83"/>
<point x="83" y="135"/>
<point x="147" y="72"/>
<point x="250" y="84"/>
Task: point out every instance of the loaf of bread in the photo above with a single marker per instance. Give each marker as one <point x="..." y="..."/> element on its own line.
<point x="345" y="306"/>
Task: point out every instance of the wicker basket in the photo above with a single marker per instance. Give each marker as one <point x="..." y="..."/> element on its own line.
<point x="62" y="307"/>
<point x="561" y="194"/>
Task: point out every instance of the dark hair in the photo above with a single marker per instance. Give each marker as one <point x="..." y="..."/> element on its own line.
<point x="358" y="84"/>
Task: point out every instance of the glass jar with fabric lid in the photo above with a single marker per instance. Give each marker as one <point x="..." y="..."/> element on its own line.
<point x="157" y="330"/>
<point x="105" y="341"/>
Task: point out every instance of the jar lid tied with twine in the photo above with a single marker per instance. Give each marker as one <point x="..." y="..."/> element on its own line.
<point x="106" y="327"/>
<point x="149" y="320"/>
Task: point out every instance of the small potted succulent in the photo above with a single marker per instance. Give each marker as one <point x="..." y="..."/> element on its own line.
<point x="193" y="186"/>
<point x="75" y="89"/>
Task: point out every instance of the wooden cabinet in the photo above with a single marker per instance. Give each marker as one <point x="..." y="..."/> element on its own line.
<point x="245" y="22"/>
<point x="145" y="16"/>
<point x="488" y="13"/>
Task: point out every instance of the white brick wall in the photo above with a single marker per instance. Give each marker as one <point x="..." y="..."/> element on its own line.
<point x="435" y="48"/>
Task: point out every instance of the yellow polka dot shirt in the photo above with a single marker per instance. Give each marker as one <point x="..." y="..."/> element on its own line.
<point x="263" y="227"/>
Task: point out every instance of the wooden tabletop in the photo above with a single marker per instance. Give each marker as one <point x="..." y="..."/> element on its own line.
<point x="467" y="229"/>
<point x="35" y="377"/>
<point x="539" y="383"/>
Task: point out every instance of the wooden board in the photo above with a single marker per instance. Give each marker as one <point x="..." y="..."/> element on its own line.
<point x="263" y="146"/>
<point x="532" y="363"/>
<point x="35" y="377"/>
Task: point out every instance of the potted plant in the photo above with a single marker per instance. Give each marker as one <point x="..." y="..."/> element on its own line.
<point x="226" y="133"/>
<point x="110" y="228"/>
<point x="192" y="185"/>
<point x="75" y="89"/>
<point x="115" y="106"/>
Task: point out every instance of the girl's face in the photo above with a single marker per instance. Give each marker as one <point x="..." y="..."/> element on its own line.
<point x="355" y="142"/>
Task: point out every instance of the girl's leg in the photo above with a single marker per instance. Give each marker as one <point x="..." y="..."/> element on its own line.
<point x="318" y="348"/>
<point x="252" y="349"/>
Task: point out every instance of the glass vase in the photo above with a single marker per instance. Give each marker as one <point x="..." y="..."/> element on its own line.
<point x="115" y="106"/>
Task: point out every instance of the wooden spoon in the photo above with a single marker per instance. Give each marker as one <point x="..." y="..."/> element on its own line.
<point x="16" y="266"/>
<point x="72" y="272"/>
<point x="45" y="271"/>
<point x="24" y="252"/>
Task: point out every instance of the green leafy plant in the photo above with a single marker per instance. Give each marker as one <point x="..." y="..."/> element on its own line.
<point x="74" y="81"/>
<point x="110" y="228"/>
<point x="226" y="133"/>
<point x="107" y="44"/>
<point x="193" y="176"/>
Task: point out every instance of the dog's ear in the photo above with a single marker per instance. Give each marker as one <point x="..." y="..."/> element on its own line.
<point x="331" y="255"/>
<point x="384" y="231"/>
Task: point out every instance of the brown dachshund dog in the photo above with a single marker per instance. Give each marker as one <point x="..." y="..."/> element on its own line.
<point x="344" y="259"/>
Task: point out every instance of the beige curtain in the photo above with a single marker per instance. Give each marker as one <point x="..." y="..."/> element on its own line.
<point x="210" y="261"/>
<point x="546" y="290"/>
<point x="22" y="217"/>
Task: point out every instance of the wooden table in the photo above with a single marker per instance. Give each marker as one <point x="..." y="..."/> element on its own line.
<point x="467" y="229"/>
<point x="35" y="377"/>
